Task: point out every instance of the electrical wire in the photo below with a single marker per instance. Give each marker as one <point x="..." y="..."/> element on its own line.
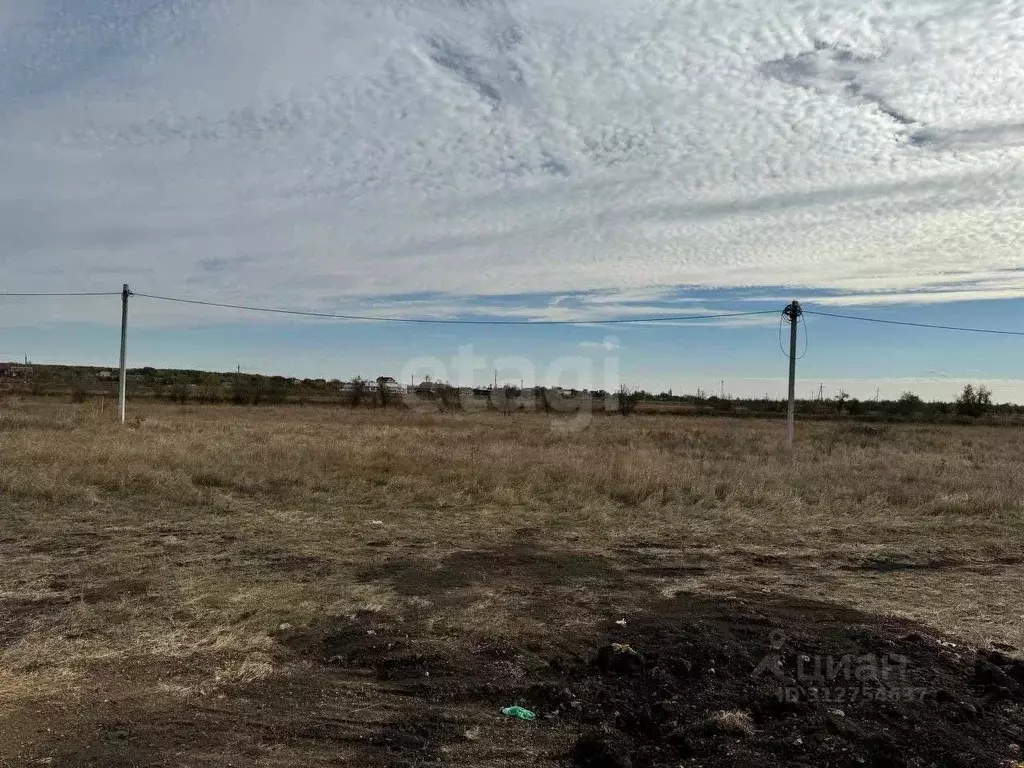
<point x="782" y="348"/>
<point x="370" y="318"/>
<point x="913" y="325"/>
<point x="61" y="295"/>
<point x="449" y="321"/>
<point x="785" y="352"/>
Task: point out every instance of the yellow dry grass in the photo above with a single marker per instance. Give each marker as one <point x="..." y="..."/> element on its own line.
<point x="187" y="538"/>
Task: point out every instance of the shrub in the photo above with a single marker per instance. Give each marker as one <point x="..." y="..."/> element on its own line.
<point x="974" y="402"/>
<point x="908" y="404"/>
<point x="628" y="399"/>
<point x="79" y="389"/>
<point x="449" y="398"/>
<point x="179" y="390"/>
<point x="358" y="391"/>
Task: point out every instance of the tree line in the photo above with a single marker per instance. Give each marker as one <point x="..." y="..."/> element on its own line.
<point x="195" y="386"/>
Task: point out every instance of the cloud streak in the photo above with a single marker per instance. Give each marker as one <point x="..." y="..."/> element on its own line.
<point x="831" y="69"/>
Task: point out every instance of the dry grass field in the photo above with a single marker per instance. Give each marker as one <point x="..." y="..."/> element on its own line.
<point x="205" y="585"/>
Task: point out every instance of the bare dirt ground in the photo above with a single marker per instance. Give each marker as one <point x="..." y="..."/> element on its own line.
<point x="220" y="586"/>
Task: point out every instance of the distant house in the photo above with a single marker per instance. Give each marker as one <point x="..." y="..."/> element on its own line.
<point x="14" y="371"/>
<point x="105" y="375"/>
<point x="427" y="388"/>
<point x="388" y="384"/>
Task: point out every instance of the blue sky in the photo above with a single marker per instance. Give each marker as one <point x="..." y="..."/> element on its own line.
<point x="550" y="159"/>
<point x="745" y="358"/>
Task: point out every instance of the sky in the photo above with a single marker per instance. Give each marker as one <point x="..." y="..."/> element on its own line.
<point x="527" y="160"/>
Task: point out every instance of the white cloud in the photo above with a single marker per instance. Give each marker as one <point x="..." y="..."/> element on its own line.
<point x="608" y="344"/>
<point x="321" y="154"/>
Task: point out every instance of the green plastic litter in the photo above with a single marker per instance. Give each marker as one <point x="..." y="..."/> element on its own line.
<point x="522" y="714"/>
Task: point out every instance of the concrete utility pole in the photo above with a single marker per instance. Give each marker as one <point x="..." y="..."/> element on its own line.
<point x="792" y="313"/>
<point x="122" y="391"/>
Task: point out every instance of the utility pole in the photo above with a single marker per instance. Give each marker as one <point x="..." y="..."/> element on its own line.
<point x="122" y="391"/>
<point x="792" y="312"/>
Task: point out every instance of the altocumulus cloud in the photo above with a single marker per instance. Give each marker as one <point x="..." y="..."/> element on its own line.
<point x="322" y="154"/>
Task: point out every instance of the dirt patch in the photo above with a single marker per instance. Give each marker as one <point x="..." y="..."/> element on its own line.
<point x="71" y="544"/>
<point x="17" y="616"/>
<point x="116" y="589"/>
<point x="309" y="716"/>
<point x="899" y="564"/>
<point x="521" y="563"/>
<point x="749" y="683"/>
<point x="1009" y="560"/>
<point x="650" y="561"/>
<point x="695" y="681"/>
<point x="895" y="565"/>
<point x="670" y="571"/>
<point x="691" y="681"/>
<point x="287" y="564"/>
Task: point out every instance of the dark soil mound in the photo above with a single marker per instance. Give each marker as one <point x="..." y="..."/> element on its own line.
<point x="739" y="685"/>
<point x="696" y="682"/>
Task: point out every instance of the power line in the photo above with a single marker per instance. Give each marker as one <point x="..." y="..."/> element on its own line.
<point x="449" y="321"/>
<point x="913" y="325"/>
<point x="369" y="318"/>
<point x="61" y="295"/>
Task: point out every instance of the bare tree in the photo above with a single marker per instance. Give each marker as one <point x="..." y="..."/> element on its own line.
<point x="545" y="396"/>
<point x="385" y="394"/>
<point x="841" y="399"/>
<point x="628" y="399"/>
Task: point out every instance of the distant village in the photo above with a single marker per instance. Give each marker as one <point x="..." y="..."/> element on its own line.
<point x="428" y="386"/>
<point x="14" y="371"/>
<point x="81" y="383"/>
<point x="198" y="379"/>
